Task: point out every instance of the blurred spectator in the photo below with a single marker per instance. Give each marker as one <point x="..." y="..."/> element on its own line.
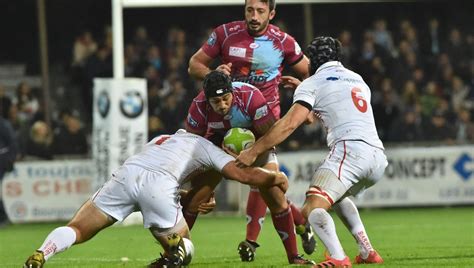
<point x="348" y="50"/>
<point x="382" y="36"/>
<point x="464" y="127"/>
<point x="5" y="103"/>
<point x="132" y="61"/>
<point x="407" y="128"/>
<point x="458" y="52"/>
<point x="386" y="111"/>
<point x="27" y="103"/>
<point x="173" y="112"/>
<point x="461" y="94"/>
<point x="431" y="40"/>
<point x="40" y="141"/>
<point x="84" y="47"/>
<point x="410" y="97"/>
<point x="430" y="99"/>
<point x="69" y="136"/>
<point x="438" y="129"/>
<point x="8" y="155"/>
<point x="141" y="41"/>
<point x="154" y="58"/>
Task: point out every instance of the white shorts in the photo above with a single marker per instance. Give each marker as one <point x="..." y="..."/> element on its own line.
<point x="350" y="168"/>
<point x="132" y="188"/>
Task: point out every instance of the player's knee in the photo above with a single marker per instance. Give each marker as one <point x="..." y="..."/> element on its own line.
<point x="312" y="202"/>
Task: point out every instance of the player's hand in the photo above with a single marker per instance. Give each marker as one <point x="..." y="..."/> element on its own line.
<point x="228" y="150"/>
<point x="225" y="68"/>
<point x="290" y="82"/>
<point x="246" y="158"/>
<point x="209" y="206"/>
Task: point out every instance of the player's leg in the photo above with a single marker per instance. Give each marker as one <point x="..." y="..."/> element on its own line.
<point x="255" y="213"/>
<point x="176" y="243"/>
<point x="324" y="189"/>
<point x="372" y="165"/>
<point x="283" y="221"/>
<point x="202" y="187"/>
<point x="162" y="215"/>
<point x="349" y="215"/>
<point x="87" y="222"/>
<point x="114" y="201"/>
<point x="303" y="229"/>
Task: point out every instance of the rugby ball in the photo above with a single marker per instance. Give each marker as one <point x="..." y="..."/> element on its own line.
<point x="238" y="139"/>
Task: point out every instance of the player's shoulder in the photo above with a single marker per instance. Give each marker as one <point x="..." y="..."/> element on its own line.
<point x="245" y="89"/>
<point x="277" y="33"/>
<point x="233" y="27"/>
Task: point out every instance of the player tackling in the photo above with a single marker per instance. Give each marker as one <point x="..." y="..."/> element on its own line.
<point x="150" y="180"/>
<point x="356" y="161"/>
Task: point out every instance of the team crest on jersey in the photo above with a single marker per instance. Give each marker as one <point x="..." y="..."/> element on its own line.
<point x="192" y="122"/>
<point x="254" y="45"/>
<point x="237" y="52"/>
<point x="216" y="124"/>
<point x="261" y="112"/>
<point x="297" y="48"/>
<point x="212" y="39"/>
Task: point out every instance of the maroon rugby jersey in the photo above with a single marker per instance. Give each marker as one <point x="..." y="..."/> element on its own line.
<point x="257" y="60"/>
<point x="249" y="109"/>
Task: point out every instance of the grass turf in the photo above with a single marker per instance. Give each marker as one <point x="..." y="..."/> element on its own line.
<point x="424" y="237"/>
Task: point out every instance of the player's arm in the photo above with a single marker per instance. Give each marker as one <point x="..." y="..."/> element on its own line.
<point x="301" y="68"/>
<point x="283" y="128"/>
<point x="199" y="64"/>
<point x="255" y="176"/>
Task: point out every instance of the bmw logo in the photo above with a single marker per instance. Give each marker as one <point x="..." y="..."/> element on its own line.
<point x="103" y="103"/>
<point x="131" y="104"/>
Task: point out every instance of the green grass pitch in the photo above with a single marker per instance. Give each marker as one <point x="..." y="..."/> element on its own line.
<point x="427" y="237"/>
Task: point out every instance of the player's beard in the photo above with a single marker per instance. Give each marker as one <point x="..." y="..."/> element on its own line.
<point x="256" y="29"/>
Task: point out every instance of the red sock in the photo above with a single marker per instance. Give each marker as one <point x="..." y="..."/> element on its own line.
<point x="285" y="227"/>
<point x="256" y="210"/>
<point x="190" y="218"/>
<point x="297" y="216"/>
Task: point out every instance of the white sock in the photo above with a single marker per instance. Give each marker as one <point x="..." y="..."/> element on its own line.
<point x="57" y="241"/>
<point x="348" y="213"/>
<point x="325" y="228"/>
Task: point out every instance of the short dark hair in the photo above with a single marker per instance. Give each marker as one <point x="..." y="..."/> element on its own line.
<point x="321" y="50"/>
<point x="216" y="84"/>
<point x="271" y="3"/>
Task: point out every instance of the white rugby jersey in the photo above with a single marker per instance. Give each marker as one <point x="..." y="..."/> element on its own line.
<point x="341" y="100"/>
<point x="180" y="155"/>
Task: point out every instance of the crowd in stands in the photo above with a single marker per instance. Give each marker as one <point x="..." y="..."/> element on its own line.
<point x="421" y="77"/>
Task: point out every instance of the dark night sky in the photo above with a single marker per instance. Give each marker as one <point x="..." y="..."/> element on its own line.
<point x="66" y="18"/>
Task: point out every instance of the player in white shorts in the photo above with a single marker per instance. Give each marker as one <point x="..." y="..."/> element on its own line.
<point x="149" y="181"/>
<point x="356" y="160"/>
